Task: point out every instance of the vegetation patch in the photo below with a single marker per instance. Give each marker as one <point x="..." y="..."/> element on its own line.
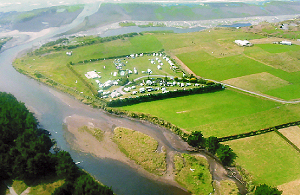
<point x="226" y="187"/>
<point x="142" y="148"/>
<point x="97" y="133"/>
<point x="46" y="188"/>
<point x="293" y="134"/>
<point x="193" y="173"/>
<point x="259" y="82"/>
<point x="268" y="158"/>
<point x="19" y="186"/>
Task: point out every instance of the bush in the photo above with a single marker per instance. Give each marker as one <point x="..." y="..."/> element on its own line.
<point x="193" y="80"/>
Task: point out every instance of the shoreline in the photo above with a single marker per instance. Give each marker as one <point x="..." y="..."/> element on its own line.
<point x="107" y="148"/>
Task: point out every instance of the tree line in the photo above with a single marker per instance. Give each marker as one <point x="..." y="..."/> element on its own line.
<point x="61" y="43"/>
<point x="25" y="152"/>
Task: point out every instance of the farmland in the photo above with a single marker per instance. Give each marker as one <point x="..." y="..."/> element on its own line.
<point x="266" y="68"/>
<point x="268" y="158"/>
<point x="239" y="66"/>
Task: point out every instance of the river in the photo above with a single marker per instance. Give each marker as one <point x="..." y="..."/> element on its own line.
<point x="51" y="108"/>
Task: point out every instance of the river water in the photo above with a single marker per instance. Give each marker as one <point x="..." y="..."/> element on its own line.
<point x="52" y="107"/>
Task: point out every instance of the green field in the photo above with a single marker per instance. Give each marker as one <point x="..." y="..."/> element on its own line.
<point x="193" y="173"/>
<point x="222" y="60"/>
<point x="219" y="114"/>
<point x="268" y="158"/>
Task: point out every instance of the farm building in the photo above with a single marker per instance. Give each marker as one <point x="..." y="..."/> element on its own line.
<point x="242" y="43"/>
<point x="286" y="43"/>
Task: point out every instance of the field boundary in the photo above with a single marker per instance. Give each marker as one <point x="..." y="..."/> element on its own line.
<point x="287" y="140"/>
<point x="94" y="92"/>
<point x="261" y="131"/>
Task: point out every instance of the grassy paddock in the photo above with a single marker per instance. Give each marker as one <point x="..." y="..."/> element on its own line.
<point x="142" y="149"/>
<point x="215" y="114"/>
<point x="268" y="158"/>
<point x="259" y="82"/>
<point x="193" y="173"/>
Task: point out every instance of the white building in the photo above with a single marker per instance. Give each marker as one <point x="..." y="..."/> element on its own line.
<point x="242" y="42"/>
<point x="286" y="43"/>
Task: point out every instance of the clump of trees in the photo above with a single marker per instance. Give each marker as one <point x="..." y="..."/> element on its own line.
<point x="264" y="189"/>
<point x="212" y="144"/>
<point x="62" y="43"/>
<point x="25" y="152"/>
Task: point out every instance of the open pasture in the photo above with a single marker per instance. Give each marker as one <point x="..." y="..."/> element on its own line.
<point x="218" y="114"/>
<point x="260" y="82"/>
<point x="286" y="61"/>
<point x="268" y="158"/>
<point x="277" y="48"/>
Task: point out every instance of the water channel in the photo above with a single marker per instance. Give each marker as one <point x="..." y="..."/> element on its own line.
<point x="52" y="107"/>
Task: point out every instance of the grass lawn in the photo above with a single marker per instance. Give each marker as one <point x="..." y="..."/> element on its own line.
<point x="193" y="173"/>
<point x="142" y="149"/>
<point x="268" y="158"/>
<point x="218" y="114"/>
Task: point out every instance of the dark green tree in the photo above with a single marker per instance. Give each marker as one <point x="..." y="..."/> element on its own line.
<point x="196" y="139"/>
<point x="65" y="167"/>
<point x="264" y="189"/>
<point x="212" y="144"/>
<point x="86" y="185"/>
<point x="226" y="155"/>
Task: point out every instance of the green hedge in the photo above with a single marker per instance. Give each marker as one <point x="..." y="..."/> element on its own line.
<point x="258" y="132"/>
